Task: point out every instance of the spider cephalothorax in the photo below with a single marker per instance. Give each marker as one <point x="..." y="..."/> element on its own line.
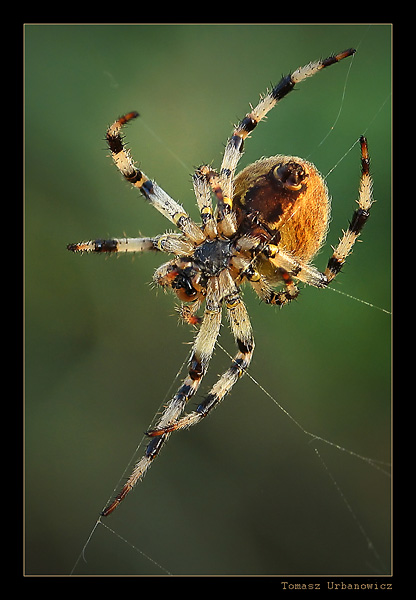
<point x="267" y="224"/>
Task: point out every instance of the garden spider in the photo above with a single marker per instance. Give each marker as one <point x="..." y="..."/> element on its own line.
<point x="269" y="222"/>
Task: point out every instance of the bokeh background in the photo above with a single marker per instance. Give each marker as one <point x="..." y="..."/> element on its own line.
<point x="247" y="491"/>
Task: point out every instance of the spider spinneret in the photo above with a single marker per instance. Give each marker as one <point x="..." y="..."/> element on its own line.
<point x="269" y="222"/>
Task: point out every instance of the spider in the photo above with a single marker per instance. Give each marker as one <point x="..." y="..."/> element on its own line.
<point x="269" y="222"/>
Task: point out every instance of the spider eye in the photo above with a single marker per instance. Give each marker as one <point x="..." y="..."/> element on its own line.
<point x="291" y="175"/>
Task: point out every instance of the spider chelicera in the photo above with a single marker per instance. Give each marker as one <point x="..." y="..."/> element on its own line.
<point x="269" y="221"/>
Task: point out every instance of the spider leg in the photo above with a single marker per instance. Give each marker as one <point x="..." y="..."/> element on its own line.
<point x="150" y="189"/>
<point x="261" y="285"/>
<point x="173" y="243"/>
<point x="202" y="351"/>
<point x="283" y="262"/>
<point x="268" y="295"/>
<point x="226" y="218"/>
<point x="202" y="191"/>
<point x="234" y="147"/>
<point x="138" y="472"/>
<point x="286" y="263"/>
<point x="241" y="328"/>
<point x="359" y="218"/>
<point x="115" y="245"/>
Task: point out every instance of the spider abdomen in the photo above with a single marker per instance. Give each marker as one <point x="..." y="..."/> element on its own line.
<point x="288" y="197"/>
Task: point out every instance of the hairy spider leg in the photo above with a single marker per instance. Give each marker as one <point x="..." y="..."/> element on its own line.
<point x="234" y="147"/>
<point x="245" y="268"/>
<point x="226" y="219"/>
<point x="115" y="245"/>
<point x="268" y="295"/>
<point x="359" y="218"/>
<point x="201" y="354"/>
<point x="150" y="189"/>
<point x="171" y="243"/>
<point x="202" y="192"/>
<point x="242" y="331"/>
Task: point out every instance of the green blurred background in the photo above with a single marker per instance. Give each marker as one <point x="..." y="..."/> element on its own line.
<point x="244" y="492"/>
